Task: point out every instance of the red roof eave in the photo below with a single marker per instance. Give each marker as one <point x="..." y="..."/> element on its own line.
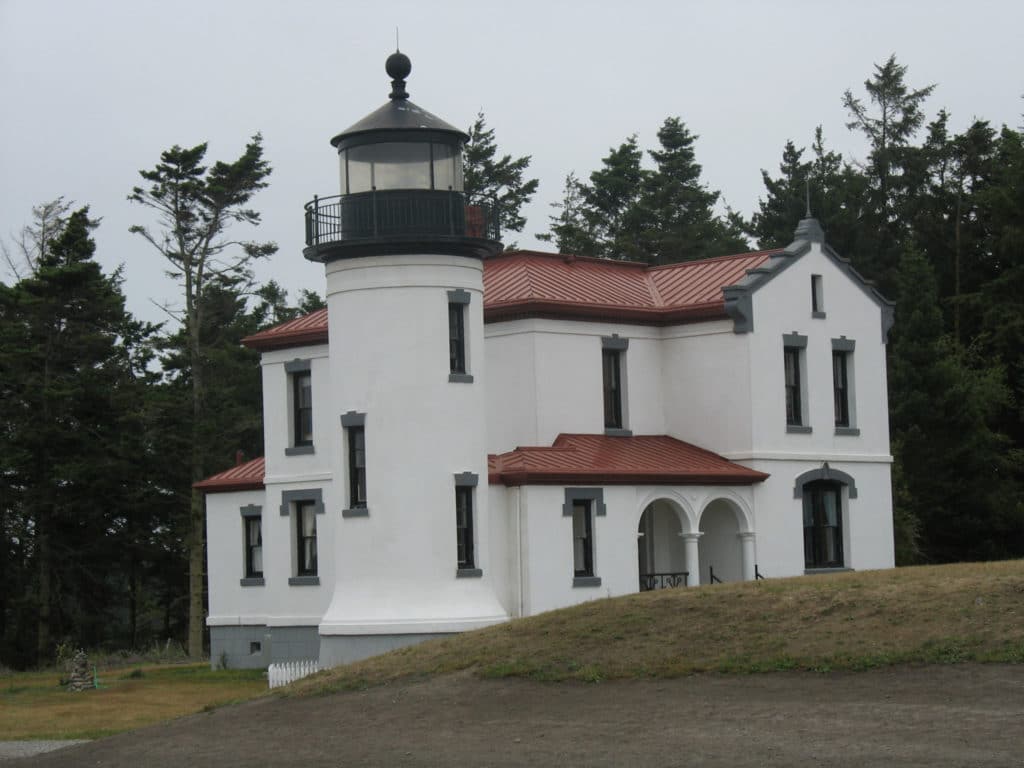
<point x="516" y="478"/>
<point x="266" y="341"/>
<point x="514" y="310"/>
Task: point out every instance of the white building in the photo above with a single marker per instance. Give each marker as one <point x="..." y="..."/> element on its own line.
<point x="466" y="435"/>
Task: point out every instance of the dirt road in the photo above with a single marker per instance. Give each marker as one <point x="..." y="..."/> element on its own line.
<point x="965" y="715"/>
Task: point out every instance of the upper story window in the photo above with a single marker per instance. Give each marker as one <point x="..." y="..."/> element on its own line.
<point x="465" y="489"/>
<point x="842" y="386"/>
<point x="613" y="353"/>
<point x="795" y="379"/>
<point x="303" y="507"/>
<point x="301" y="397"/>
<point x="355" y="449"/>
<point x="458" y="306"/>
<point x="817" y="297"/>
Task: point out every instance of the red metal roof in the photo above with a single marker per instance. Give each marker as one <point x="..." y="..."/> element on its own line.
<point x="244" y="477"/>
<point x="603" y="460"/>
<point x="532" y="284"/>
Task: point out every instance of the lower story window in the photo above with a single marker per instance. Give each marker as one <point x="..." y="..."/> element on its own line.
<point x="464" y="526"/>
<point x="582" y="538"/>
<point x="253" y="548"/>
<point x="305" y="519"/>
<point x="823" y="525"/>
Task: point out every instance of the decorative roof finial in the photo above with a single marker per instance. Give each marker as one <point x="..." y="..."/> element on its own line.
<point x="398" y="68"/>
<point x="807" y="181"/>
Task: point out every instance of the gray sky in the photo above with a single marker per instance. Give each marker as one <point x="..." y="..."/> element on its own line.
<point x="93" y="91"/>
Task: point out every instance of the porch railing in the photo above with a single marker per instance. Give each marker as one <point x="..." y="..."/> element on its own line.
<point x="651" y="581"/>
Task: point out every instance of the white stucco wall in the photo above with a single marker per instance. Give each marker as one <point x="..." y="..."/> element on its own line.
<point x="230" y="603"/>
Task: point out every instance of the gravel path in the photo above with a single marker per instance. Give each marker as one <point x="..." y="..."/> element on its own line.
<point x="962" y="715"/>
<point x="12" y="749"/>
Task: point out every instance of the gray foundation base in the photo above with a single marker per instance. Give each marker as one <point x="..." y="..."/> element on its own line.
<point x="233" y="646"/>
<point x="344" y="649"/>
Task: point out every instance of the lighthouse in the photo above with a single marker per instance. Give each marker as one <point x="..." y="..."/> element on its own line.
<point x="402" y="248"/>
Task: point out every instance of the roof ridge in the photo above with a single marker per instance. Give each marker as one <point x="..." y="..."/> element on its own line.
<point x="727" y="257"/>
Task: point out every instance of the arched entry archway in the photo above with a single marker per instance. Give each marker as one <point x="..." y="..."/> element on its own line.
<point x="661" y="549"/>
<point x="723" y="542"/>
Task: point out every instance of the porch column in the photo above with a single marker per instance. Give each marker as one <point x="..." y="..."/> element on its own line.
<point x="692" y="557"/>
<point x="747" y="544"/>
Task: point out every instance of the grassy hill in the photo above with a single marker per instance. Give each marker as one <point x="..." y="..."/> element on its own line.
<point x="928" y="614"/>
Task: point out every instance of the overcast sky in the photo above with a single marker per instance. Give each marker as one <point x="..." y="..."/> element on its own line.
<point x="93" y="91"/>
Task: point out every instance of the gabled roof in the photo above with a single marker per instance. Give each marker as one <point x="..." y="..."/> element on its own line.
<point x="243" y="477"/>
<point x="537" y="284"/>
<point x="532" y="283"/>
<point x="605" y="460"/>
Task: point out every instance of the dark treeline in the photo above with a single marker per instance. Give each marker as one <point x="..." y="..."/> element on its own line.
<point x="936" y="220"/>
<point x="107" y="421"/>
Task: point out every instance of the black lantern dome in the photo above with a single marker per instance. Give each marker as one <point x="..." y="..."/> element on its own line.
<point x="401" y="187"/>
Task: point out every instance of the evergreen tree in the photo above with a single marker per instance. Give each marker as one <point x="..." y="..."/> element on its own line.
<point x="570" y="229"/>
<point x="612" y="202"/>
<point x="64" y="367"/>
<point x="196" y="207"/>
<point x="491" y="178"/>
<point x="786" y="203"/>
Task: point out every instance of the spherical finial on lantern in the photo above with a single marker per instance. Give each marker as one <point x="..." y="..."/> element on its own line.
<point x="398" y="68"/>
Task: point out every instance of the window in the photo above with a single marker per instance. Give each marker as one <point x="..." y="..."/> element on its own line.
<point x="583" y="505"/>
<point x="613" y="350"/>
<point x="252" y="546"/>
<point x="301" y="379"/>
<point x="458" y="303"/>
<point x="823" y="524"/>
<point x="582" y="539"/>
<point x="355" y="448"/>
<point x="305" y="521"/>
<point x="842" y="386"/>
<point x="303" y="507"/>
<point x="795" y="382"/>
<point x="817" y="297"/>
<point x="465" y="485"/>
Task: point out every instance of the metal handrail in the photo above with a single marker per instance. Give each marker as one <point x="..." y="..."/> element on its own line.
<point x="714" y="579"/>
<point x="652" y="581"/>
<point x="757" y="574"/>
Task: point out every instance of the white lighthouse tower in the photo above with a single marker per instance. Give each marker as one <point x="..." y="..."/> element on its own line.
<point x="402" y="250"/>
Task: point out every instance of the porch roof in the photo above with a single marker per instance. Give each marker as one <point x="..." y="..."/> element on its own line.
<point x="606" y="460"/>
<point x="243" y="477"/>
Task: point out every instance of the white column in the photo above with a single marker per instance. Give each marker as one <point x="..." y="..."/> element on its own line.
<point x="747" y="544"/>
<point x="692" y="558"/>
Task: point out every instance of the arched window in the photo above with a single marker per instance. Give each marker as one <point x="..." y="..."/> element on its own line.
<point x="823" y="524"/>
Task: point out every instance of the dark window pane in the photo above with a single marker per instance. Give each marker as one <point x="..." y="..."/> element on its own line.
<point x="456" y="338"/>
<point x="612" y="379"/>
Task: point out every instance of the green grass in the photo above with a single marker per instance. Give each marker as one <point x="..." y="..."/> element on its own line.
<point x="848" y="621"/>
<point x="35" y="706"/>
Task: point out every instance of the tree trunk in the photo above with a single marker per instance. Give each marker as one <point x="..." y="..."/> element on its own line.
<point x="43" y="596"/>
<point x="197" y="517"/>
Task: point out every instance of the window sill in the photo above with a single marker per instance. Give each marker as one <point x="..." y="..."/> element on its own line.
<point x="253" y="581"/>
<point x="468" y="573"/>
<point x="797" y="429"/>
<point x="611" y="432"/>
<point x="825" y="571"/>
<point x="460" y="378"/>
<point x="304" y="581"/>
<point x="586" y="581"/>
<point x="356" y="512"/>
<point x="850" y="431"/>
<point x="299" y="450"/>
<point x="818" y="315"/>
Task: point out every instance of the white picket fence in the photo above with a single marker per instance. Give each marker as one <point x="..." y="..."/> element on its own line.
<point x="290" y="671"/>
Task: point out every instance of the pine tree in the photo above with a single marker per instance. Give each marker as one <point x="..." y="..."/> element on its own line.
<point x="611" y="203"/>
<point x="570" y="229"/>
<point x="196" y="207"/>
<point x="491" y="178"/>
<point x="786" y="203"/>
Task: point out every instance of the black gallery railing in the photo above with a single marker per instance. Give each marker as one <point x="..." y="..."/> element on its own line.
<point x="649" y="581"/>
<point x="393" y="213"/>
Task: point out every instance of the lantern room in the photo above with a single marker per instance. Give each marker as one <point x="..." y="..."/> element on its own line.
<point x="401" y="187"/>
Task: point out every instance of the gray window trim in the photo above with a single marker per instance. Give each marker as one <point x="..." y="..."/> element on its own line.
<point x="468" y="573"/>
<point x="824" y="473"/>
<point x="586" y="581"/>
<point x="584" y="494"/>
<point x="303" y="581"/>
<point x="290" y="497"/>
<point x="847" y="432"/>
<point x="460" y="378"/>
<point x="459" y="296"/>
<point x="299" y="450"/>
<point x="618" y="432"/>
<point x="615" y="342"/>
<point x="843" y="344"/>
<point x="464" y="479"/>
<point x="298" y="366"/>
<point x="255" y="582"/>
<point x="798" y="429"/>
<point x="353" y="419"/>
<point x="356" y="512"/>
<point x="794" y="339"/>
<point x="818" y="315"/>
<point x="251" y="510"/>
